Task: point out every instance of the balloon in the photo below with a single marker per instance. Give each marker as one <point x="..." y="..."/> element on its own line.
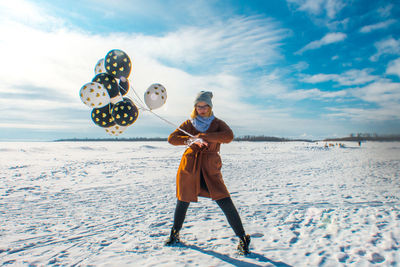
<point x="123" y="87"/>
<point x="125" y="112"/>
<point x="102" y="116"/>
<point x="155" y="96"/>
<point x="116" y="129"/>
<point x="118" y="63"/>
<point x="109" y="82"/>
<point x="129" y="100"/>
<point x="100" y="68"/>
<point x="94" y="95"/>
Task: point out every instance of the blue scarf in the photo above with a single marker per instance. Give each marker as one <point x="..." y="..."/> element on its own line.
<point x="202" y="123"/>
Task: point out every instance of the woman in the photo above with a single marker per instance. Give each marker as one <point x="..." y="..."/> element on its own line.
<point x="199" y="172"/>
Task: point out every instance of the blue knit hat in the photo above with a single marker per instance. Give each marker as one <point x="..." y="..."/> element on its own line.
<point x="204" y="96"/>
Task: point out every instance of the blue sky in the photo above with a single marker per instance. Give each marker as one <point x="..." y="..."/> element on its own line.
<point x="289" y="68"/>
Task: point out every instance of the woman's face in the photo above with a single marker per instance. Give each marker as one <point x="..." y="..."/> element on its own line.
<point x="202" y="109"/>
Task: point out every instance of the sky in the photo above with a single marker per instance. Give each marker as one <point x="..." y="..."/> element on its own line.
<point x="287" y="68"/>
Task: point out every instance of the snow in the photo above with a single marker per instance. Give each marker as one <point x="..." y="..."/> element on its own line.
<point x="112" y="204"/>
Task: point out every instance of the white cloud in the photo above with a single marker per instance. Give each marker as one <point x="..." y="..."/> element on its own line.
<point x="319" y="78"/>
<point x="350" y="77"/>
<point x="313" y="94"/>
<point x="240" y="43"/>
<point x="387" y="46"/>
<point x="360" y="114"/>
<point x="275" y="85"/>
<point x="383" y="93"/>
<point x="312" y="6"/>
<point x="385" y="11"/>
<point x="61" y="60"/>
<point x="317" y="7"/>
<point x="333" y="7"/>
<point x="338" y="25"/>
<point x="377" y="26"/>
<point x="329" y="38"/>
<point x="28" y="13"/>
<point x="394" y="67"/>
<point x="35" y="126"/>
<point x="46" y="64"/>
<point x="302" y="65"/>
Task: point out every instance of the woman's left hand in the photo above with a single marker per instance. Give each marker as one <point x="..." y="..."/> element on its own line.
<point x="200" y="142"/>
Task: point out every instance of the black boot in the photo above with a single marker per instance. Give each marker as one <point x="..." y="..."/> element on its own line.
<point x="173" y="238"/>
<point x="244" y="244"/>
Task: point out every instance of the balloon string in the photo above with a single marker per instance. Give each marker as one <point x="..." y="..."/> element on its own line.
<point x="142" y="105"/>
<point x="131" y="87"/>
<point x="128" y="91"/>
<point x="177" y="127"/>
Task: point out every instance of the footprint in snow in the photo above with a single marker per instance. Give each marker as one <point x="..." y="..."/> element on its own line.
<point x="342" y="257"/>
<point x="293" y="240"/>
<point x="105" y="243"/>
<point x="377" y="258"/>
<point x="157" y="224"/>
<point x="361" y="252"/>
<point x="257" y="235"/>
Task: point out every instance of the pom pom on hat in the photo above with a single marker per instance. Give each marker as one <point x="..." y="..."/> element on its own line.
<point x="204" y="96"/>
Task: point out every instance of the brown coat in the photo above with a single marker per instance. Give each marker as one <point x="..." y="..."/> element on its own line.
<point x="206" y="159"/>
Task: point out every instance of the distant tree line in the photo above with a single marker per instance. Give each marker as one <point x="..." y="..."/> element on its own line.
<point x="251" y="138"/>
<point x="366" y="137"/>
<point x="123" y="139"/>
<point x="260" y="138"/>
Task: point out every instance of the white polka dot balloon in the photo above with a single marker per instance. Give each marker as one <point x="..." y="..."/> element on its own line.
<point x="94" y="95"/>
<point x="155" y="96"/>
<point x="116" y="129"/>
<point x="100" y="68"/>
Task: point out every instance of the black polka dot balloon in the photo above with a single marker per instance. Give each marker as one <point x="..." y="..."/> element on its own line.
<point x="125" y="112"/>
<point x="123" y="87"/>
<point x="109" y="82"/>
<point x="129" y="100"/>
<point x="102" y="116"/>
<point x="118" y="63"/>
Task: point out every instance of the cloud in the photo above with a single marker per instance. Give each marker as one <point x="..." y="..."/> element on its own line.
<point x="394" y="67"/>
<point x="28" y="13"/>
<point x="313" y="94"/>
<point x="330" y="8"/>
<point x="385" y="11"/>
<point x="276" y="86"/>
<point x="333" y="7"/>
<point x="366" y="115"/>
<point x="383" y="93"/>
<point x="384" y="96"/>
<point x="348" y="78"/>
<point x="329" y="38"/>
<point x="48" y="60"/>
<point x="45" y="66"/>
<point x="337" y="25"/>
<point x="34" y="126"/>
<point x="387" y="46"/>
<point x="240" y="43"/>
<point x="377" y="26"/>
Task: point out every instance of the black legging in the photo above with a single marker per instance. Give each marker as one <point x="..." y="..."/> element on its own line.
<point x="225" y="204"/>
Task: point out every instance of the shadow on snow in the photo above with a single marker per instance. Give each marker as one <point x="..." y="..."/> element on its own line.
<point x="234" y="261"/>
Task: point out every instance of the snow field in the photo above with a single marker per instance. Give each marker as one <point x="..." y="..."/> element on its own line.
<point x="112" y="203"/>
